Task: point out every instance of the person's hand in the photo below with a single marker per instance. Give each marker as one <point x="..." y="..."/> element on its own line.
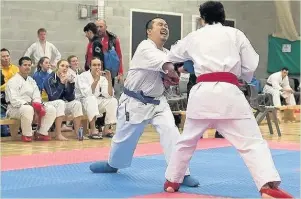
<point x="107" y="75"/>
<point x="64" y="78"/>
<point x="289" y="90"/>
<point x="120" y="78"/>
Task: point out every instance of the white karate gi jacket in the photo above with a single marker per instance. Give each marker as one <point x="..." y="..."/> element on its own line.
<point x="217" y="100"/>
<point x="36" y="50"/>
<point x="20" y="91"/>
<point x="83" y="84"/>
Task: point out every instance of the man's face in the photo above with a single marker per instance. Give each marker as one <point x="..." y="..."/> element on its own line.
<point x="42" y="36"/>
<point x="25" y="68"/>
<point x="101" y="27"/>
<point x="89" y="34"/>
<point x="284" y="73"/>
<point x="159" y="30"/>
<point x="5" y="58"/>
<point x="95" y="66"/>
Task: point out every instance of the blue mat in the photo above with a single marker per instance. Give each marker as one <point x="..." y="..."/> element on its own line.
<point x="221" y="172"/>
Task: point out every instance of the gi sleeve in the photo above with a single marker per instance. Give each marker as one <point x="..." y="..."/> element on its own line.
<point x="249" y="57"/>
<point x="149" y="57"/>
<point x="104" y="88"/>
<point x="286" y="83"/>
<point x="178" y="52"/>
<point x="12" y="94"/>
<point x="56" y="53"/>
<point x="82" y="84"/>
<point x="30" y="50"/>
<point x="53" y="88"/>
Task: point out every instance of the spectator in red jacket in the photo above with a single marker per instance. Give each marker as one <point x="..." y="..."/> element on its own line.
<point x="107" y="37"/>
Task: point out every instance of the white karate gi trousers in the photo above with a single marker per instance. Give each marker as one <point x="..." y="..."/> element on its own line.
<point x="243" y="134"/>
<point x="289" y="97"/>
<point x="25" y="114"/>
<point x="59" y="106"/>
<point x="93" y="107"/>
<point x="128" y="133"/>
<point x="74" y="108"/>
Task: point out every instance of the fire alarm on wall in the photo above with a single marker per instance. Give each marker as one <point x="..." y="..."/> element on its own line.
<point x="94" y="11"/>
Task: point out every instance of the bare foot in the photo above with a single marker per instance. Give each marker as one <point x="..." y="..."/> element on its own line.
<point x="61" y="138"/>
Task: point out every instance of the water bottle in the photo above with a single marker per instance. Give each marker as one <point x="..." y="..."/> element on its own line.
<point x="80" y="134"/>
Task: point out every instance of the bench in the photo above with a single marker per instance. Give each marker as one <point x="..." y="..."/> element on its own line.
<point x="14" y="125"/>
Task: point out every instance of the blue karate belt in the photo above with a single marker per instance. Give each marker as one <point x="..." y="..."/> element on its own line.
<point x="139" y="95"/>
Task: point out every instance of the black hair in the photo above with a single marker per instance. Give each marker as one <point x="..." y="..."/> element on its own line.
<point x="149" y="24"/>
<point x="5" y="50"/>
<point x="212" y="12"/>
<point x="41" y="61"/>
<point x="91" y="26"/>
<point x="24" y="59"/>
<point x="284" y="68"/>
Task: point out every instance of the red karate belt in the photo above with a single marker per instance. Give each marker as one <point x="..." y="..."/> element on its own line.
<point x="219" y="77"/>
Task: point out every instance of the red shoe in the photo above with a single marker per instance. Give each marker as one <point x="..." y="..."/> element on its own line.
<point x="40" y="137"/>
<point x="275" y="193"/>
<point x="26" y="138"/>
<point x="171" y="187"/>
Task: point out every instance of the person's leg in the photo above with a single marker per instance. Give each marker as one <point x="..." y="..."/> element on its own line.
<point x="60" y="115"/>
<point x="245" y="136"/>
<point x="183" y="151"/>
<point x="90" y="105"/>
<point x="164" y="124"/>
<point x="123" y="144"/>
<point x="109" y="106"/>
<point x="75" y="109"/>
<point x="25" y="114"/>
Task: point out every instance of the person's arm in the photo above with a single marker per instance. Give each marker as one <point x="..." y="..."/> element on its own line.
<point x="36" y="97"/>
<point x="69" y="91"/>
<point x="82" y="84"/>
<point x="56" y="54"/>
<point x="30" y="50"/>
<point x="119" y="53"/>
<point x="53" y="88"/>
<point x="13" y="95"/>
<point x="106" y="85"/>
<point x="249" y="57"/>
<point x="149" y="58"/>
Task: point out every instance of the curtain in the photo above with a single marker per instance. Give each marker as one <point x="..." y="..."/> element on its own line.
<point x="285" y="27"/>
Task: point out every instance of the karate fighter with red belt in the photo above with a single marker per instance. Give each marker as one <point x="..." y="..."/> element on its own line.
<point x="220" y="56"/>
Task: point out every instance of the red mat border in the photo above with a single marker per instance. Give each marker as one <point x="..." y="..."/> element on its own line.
<point x="96" y="154"/>
<point x="176" y="195"/>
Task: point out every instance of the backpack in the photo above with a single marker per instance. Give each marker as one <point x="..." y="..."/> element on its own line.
<point x="111" y="59"/>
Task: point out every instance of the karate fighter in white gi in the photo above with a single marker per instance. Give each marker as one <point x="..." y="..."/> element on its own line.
<point x="143" y="103"/>
<point x="220" y="55"/>
<point x="25" y="102"/>
<point x="93" y="88"/>
<point x="278" y="84"/>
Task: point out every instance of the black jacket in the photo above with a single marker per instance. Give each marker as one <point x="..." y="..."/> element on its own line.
<point x="96" y="52"/>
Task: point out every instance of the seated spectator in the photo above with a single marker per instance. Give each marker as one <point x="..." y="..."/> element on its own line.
<point x="74" y="65"/>
<point x="25" y="102"/>
<point x="278" y="84"/>
<point x="43" y="70"/>
<point x="59" y="86"/>
<point x="7" y="68"/>
<point x="94" y="89"/>
<point x="4" y="128"/>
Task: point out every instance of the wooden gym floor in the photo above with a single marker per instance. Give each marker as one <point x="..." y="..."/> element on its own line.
<point x="290" y="133"/>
